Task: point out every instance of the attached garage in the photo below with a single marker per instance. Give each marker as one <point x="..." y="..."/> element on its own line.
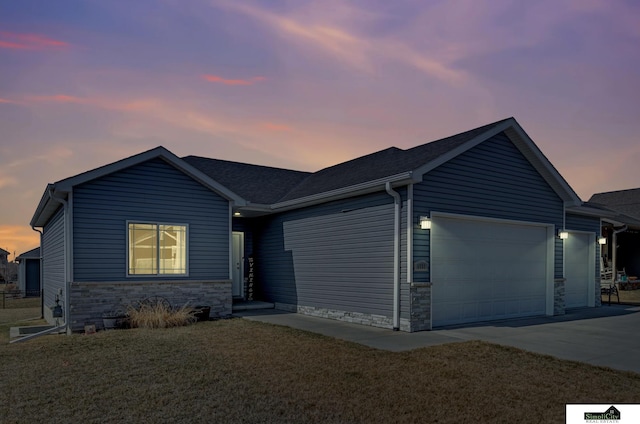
<point x="488" y="269"/>
<point x="579" y="264"/>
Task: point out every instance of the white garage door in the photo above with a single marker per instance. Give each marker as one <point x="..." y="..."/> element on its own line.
<point x="487" y="270"/>
<point x="577" y="264"/>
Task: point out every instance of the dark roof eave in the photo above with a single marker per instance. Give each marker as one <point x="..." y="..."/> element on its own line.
<point x="47" y="206"/>
<point x="341" y="193"/>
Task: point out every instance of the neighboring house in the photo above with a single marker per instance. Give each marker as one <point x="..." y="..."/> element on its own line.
<point x="460" y="230"/>
<point x="29" y="272"/>
<point x="4" y="266"/>
<point x="622" y="229"/>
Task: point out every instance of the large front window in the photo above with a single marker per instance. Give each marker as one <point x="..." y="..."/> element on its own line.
<point x="157" y="249"/>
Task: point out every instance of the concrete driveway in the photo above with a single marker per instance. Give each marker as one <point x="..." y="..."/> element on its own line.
<point x="607" y="336"/>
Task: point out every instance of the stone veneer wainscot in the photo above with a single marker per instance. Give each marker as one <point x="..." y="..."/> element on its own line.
<point x="90" y="300"/>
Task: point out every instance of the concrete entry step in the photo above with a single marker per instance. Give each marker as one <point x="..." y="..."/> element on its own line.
<point x="251" y="305"/>
<point x="27" y="330"/>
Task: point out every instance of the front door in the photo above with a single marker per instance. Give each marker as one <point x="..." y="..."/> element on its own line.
<point x="237" y="264"/>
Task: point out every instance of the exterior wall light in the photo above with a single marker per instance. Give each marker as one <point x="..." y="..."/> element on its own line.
<point x="425" y="223"/>
<point x="563" y="234"/>
<point x="602" y="240"/>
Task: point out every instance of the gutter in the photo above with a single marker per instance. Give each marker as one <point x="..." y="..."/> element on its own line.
<point x="362" y="188"/>
<point x="41" y="275"/>
<point x="397" y="201"/>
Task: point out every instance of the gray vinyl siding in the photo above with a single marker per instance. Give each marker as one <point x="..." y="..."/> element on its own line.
<point x="53" y="258"/>
<point x="492" y="180"/>
<point x="337" y="255"/>
<point x="589" y="224"/>
<point x="150" y="192"/>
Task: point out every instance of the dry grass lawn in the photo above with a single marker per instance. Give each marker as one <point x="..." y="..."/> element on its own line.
<point x="239" y="371"/>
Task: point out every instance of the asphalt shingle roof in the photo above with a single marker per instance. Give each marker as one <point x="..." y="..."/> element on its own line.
<point x="258" y="184"/>
<point x="267" y="185"/>
<point x="624" y="201"/>
<point x="384" y="163"/>
<point x="33" y="253"/>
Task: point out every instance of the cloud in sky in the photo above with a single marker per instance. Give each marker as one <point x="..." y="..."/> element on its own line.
<point x="12" y="236"/>
<point x="27" y="41"/>
<point x="347" y="47"/>
<point x="215" y="78"/>
<point x="272" y="126"/>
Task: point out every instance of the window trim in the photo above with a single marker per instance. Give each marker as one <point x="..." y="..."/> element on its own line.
<point x="157" y="224"/>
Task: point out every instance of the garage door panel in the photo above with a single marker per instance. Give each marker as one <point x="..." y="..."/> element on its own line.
<point x="484" y="270"/>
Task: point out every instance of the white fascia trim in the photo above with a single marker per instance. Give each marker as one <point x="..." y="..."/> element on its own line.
<point x="341" y="193"/>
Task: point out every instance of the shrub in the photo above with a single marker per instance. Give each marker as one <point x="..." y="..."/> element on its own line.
<point x="159" y="315"/>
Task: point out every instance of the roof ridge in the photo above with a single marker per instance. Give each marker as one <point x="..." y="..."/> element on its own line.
<point x="616" y="191"/>
<point x="246" y="164"/>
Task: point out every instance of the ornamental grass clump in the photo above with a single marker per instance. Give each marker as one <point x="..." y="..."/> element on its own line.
<point x="159" y="315"/>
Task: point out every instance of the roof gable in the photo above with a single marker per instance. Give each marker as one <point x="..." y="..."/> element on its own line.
<point x="385" y="163"/>
<point x="393" y="163"/>
<point x="50" y="200"/>
<point x="29" y="254"/>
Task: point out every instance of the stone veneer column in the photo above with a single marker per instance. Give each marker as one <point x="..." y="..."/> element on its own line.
<point x="420" y="298"/>
<point x="558" y="296"/>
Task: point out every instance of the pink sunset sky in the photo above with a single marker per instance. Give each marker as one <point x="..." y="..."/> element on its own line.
<point x="308" y="84"/>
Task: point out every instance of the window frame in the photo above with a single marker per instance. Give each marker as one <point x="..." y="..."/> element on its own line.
<point x="157" y="225"/>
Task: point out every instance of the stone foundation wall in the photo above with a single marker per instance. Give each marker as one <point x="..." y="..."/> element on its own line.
<point x="558" y="296"/>
<point x="373" y="320"/>
<point x="90" y="300"/>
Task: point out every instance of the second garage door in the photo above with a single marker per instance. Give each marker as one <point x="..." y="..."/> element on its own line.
<point x="579" y="265"/>
<point x="485" y="270"/>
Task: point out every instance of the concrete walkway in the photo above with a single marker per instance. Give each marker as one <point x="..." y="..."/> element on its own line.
<point x="606" y="336"/>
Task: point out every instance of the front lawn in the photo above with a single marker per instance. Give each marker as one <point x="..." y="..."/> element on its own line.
<point x="241" y="371"/>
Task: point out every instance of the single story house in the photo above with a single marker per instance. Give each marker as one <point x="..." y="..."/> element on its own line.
<point x="473" y="227"/>
<point x="621" y="229"/>
<point x="29" y="272"/>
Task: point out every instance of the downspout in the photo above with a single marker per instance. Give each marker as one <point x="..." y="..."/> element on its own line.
<point x="67" y="295"/>
<point x="40" y="268"/>
<point x="409" y="234"/>
<point x="396" y="255"/>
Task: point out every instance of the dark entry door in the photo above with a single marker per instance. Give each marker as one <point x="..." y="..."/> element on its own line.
<point x="32" y="278"/>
